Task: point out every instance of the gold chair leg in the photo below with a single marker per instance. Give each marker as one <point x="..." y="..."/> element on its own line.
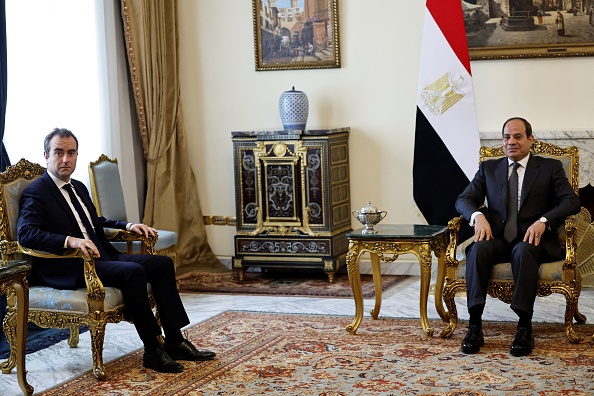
<point x="74" y="336"/>
<point x="579" y="317"/>
<point x="570" y="309"/>
<point x="570" y="332"/>
<point x="97" y="331"/>
<point x="448" y="298"/>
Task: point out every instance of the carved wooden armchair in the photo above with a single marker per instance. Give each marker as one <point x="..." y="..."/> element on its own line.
<point x="557" y="277"/>
<point x="93" y="306"/>
<point x="108" y="197"/>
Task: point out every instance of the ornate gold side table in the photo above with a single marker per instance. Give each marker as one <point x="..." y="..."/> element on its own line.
<point x="390" y="241"/>
<point x="13" y="282"/>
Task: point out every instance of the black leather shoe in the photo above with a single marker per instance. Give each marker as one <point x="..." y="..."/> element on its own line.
<point x="523" y="343"/>
<point x="474" y="340"/>
<point x="158" y="360"/>
<point x="186" y="351"/>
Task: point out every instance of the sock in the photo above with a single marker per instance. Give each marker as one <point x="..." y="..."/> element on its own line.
<point x="174" y="338"/>
<point x="476" y="314"/>
<point x="525" y="318"/>
<point x="151" y="344"/>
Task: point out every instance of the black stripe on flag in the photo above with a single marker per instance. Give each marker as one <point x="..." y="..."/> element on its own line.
<point x="437" y="177"/>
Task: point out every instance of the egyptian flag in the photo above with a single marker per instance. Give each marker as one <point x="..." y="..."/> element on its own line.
<point x="446" y="134"/>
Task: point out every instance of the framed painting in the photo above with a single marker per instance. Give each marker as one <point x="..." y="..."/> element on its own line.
<point x="510" y="29"/>
<point x="296" y="34"/>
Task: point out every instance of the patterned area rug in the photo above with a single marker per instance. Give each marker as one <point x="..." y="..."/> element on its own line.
<point x="281" y="354"/>
<point x="283" y="284"/>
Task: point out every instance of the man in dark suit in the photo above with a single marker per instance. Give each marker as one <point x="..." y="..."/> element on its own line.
<point x="56" y="213"/>
<point x="523" y="232"/>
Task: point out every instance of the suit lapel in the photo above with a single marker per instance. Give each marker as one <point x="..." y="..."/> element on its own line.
<point x="530" y="176"/>
<point x="501" y="177"/>
<point x="57" y="195"/>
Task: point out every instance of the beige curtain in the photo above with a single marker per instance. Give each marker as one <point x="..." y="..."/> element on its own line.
<point x="150" y="29"/>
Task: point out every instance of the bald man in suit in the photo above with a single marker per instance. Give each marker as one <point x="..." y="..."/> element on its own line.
<point x="56" y="213"/>
<point x="527" y="238"/>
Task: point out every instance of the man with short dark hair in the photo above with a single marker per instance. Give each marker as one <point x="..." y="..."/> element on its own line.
<point x="527" y="198"/>
<point x="56" y="213"/>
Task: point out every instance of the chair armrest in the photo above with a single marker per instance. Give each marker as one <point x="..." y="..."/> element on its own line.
<point x="117" y="235"/>
<point x="95" y="290"/>
<point x="570" y="243"/>
<point x="454" y="226"/>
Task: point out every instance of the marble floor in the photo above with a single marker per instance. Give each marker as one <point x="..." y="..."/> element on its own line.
<point x="59" y="363"/>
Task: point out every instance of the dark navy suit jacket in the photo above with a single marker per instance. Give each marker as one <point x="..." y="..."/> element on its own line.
<point x="44" y="223"/>
<point x="545" y="192"/>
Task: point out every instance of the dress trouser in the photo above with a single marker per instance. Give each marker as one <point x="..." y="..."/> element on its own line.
<point x="525" y="261"/>
<point x="130" y="273"/>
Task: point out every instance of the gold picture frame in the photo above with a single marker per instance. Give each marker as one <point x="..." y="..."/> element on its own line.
<point x="296" y="34"/>
<point x="516" y="29"/>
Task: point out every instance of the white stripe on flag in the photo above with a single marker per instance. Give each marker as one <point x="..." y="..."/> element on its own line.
<point x="457" y="126"/>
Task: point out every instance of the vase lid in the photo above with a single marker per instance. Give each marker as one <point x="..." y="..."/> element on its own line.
<point x="293" y="91"/>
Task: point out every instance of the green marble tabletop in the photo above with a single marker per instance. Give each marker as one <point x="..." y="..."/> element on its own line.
<point x="399" y="231"/>
<point x="10" y="268"/>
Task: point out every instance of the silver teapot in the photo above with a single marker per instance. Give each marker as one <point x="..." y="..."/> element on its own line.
<point x="369" y="216"/>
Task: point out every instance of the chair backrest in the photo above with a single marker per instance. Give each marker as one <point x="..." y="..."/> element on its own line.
<point x="569" y="157"/>
<point x="106" y="188"/>
<point x="12" y="183"/>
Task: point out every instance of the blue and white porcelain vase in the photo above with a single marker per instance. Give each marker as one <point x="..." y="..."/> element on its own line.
<point x="294" y="109"/>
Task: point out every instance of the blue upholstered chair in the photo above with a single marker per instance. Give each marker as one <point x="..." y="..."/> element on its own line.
<point x="93" y="306"/>
<point x="108" y="196"/>
<point x="561" y="276"/>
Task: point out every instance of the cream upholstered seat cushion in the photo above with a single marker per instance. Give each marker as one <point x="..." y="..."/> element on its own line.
<point x="547" y="272"/>
<point x="48" y="298"/>
<point x="45" y="297"/>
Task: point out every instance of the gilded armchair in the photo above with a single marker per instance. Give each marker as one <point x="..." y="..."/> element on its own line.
<point x="108" y="197"/>
<point x="557" y="277"/>
<point x="93" y="306"/>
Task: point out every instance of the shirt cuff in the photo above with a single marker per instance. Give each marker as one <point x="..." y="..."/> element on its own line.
<point x="473" y="217"/>
<point x="128" y="226"/>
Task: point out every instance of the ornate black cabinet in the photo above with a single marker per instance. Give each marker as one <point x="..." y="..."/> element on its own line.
<point x="292" y="199"/>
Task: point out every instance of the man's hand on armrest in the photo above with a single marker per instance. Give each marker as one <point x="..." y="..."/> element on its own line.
<point x="482" y="228"/>
<point x="87" y="246"/>
<point x="142" y="229"/>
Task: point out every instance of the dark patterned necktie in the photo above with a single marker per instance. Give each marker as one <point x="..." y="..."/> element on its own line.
<point x="85" y="220"/>
<point x="511" y="225"/>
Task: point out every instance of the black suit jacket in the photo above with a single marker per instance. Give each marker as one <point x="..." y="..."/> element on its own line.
<point x="545" y="192"/>
<point x="46" y="220"/>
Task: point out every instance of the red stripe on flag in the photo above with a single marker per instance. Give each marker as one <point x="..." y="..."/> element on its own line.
<point x="449" y="17"/>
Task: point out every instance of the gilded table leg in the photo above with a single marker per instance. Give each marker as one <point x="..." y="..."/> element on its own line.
<point x="352" y="260"/>
<point x="424" y="255"/>
<point x="377" y="282"/>
<point x="22" y="295"/>
<point x="439" y="282"/>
